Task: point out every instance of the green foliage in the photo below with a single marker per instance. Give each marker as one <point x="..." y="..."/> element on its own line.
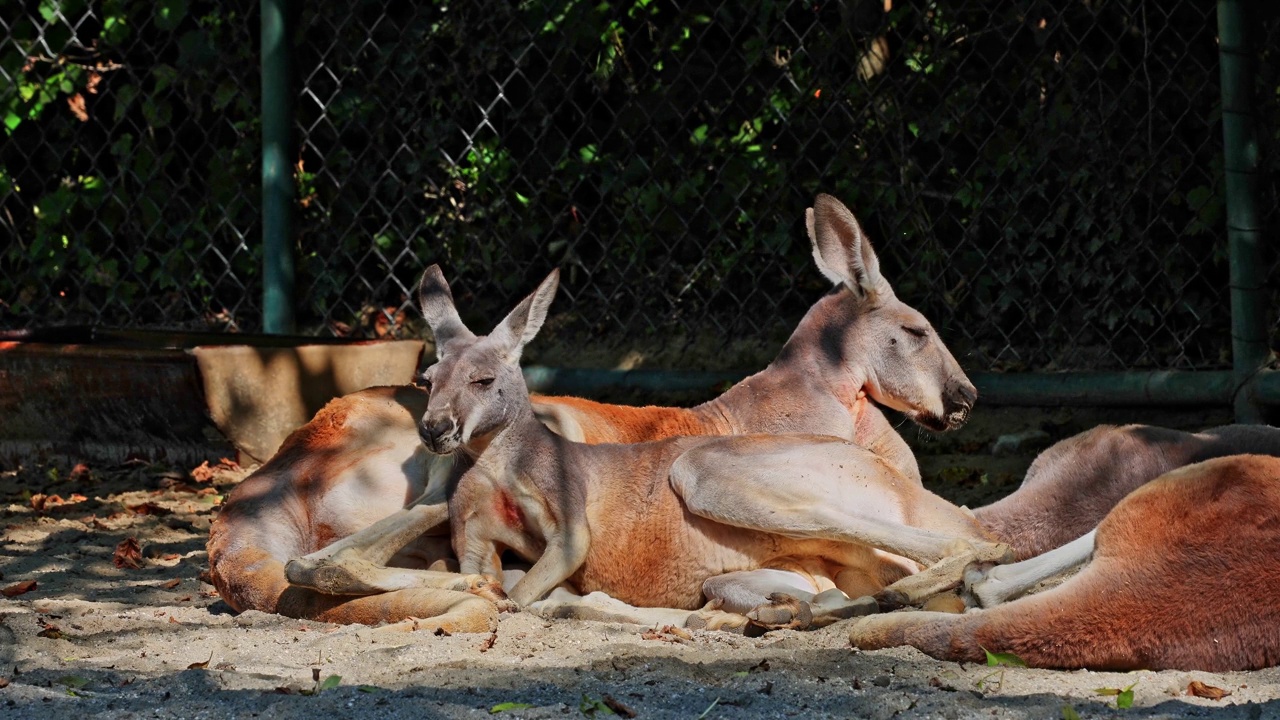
<point x="127" y="168"/>
<point x="1124" y="697"/>
<point x="1040" y="179"/>
<point x="1003" y="659"/>
<point x="507" y="706"/>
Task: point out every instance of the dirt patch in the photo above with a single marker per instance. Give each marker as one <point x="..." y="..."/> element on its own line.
<point x="95" y="639"/>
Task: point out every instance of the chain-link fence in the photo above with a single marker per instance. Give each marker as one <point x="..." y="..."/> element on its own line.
<point x="1042" y="179"/>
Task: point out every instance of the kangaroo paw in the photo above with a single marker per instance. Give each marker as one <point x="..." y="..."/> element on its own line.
<point x="782" y="612"/>
<point x="710" y="618"/>
<point x="491" y="590"/>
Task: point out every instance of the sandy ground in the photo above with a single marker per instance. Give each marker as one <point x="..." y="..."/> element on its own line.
<point x="94" y="639"/>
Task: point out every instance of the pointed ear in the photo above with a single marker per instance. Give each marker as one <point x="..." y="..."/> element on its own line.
<point x="436" y="301"/>
<point x="524" y="322"/>
<point x="842" y="251"/>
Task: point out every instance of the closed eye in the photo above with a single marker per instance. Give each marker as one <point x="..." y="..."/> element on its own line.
<point x="483" y="382"/>
<point x="917" y="332"/>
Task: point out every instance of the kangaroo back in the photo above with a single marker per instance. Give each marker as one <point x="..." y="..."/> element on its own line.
<point x="301" y="500"/>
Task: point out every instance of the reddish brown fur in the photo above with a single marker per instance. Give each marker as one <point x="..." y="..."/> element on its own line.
<point x="1072" y="486"/>
<point x="248" y="550"/>
<point x="1152" y="597"/>
<point x="269" y="518"/>
<point x="603" y="423"/>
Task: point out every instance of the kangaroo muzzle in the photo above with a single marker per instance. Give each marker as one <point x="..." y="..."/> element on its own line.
<point x="958" y="403"/>
<point x="440" y="435"/>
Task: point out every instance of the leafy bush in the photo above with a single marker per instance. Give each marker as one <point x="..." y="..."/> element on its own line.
<point x="1042" y="179"/>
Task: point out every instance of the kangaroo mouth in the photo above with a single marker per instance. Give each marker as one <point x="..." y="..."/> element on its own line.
<point x="930" y="421"/>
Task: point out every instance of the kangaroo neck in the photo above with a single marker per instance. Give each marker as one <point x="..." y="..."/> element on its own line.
<point x="873" y="432"/>
<point x="811" y="375"/>
<point x="513" y="445"/>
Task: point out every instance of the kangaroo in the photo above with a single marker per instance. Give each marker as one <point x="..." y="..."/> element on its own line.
<point x="1071" y="486"/>
<point x="669" y="522"/>
<point x="1140" y="602"/>
<point x="334" y="498"/>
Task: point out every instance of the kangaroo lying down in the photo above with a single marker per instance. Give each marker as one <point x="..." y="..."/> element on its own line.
<point x="734" y="519"/>
<point x="337" y="490"/>
<point x="1143" y="601"/>
<point x="1047" y="521"/>
<point x="666" y="523"/>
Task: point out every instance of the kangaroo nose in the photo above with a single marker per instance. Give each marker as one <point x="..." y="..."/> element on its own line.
<point x="431" y="432"/>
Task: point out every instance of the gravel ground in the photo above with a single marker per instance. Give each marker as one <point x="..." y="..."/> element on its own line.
<point x="94" y="639"/>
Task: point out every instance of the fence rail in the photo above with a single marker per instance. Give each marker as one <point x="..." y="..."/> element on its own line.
<point x="1043" y="179"/>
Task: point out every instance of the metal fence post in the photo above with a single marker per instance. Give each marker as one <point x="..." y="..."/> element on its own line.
<point x="277" y="181"/>
<point x="1249" y="349"/>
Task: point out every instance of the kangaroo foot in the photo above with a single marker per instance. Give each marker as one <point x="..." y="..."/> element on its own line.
<point x="341" y="574"/>
<point x="831" y="606"/>
<point x="949" y="602"/>
<point x="982" y="551"/>
<point x="943" y="576"/>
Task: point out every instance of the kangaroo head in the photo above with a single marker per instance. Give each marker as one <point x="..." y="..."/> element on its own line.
<point x="905" y="364"/>
<point x="475" y="386"/>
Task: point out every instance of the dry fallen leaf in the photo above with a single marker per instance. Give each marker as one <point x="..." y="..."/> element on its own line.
<point x="17" y="589"/>
<point x="200" y="665"/>
<point x="128" y="554"/>
<point x="76" y="103"/>
<point x="81" y="472"/>
<point x="53" y="632"/>
<point x="4" y="682"/>
<point x="678" y="632"/>
<point x="170" y="584"/>
<point x="668" y="633"/>
<point x="205" y="472"/>
<point x="1199" y="689"/>
<point x="149" y="508"/>
<point x="488" y="642"/>
<point x="39" y="501"/>
<point x="617" y="706"/>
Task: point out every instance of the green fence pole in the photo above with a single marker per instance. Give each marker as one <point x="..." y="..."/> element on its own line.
<point x="1249" y="349"/>
<point x="277" y="181"/>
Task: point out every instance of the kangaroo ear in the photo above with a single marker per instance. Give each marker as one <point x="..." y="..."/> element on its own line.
<point x="436" y="301"/>
<point x="841" y="249"/>
<point x="524" y="322"/>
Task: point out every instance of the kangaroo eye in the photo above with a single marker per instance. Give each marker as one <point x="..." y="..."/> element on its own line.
<point x="483" y="382"/>
<point x="916" y="332"/>
<point x="424" y="382"/>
